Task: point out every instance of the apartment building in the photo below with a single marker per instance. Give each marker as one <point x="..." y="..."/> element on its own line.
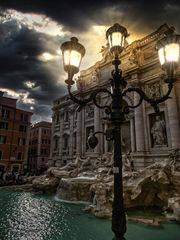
<point x="14" y="135"/>
<point x="39" y="146"/>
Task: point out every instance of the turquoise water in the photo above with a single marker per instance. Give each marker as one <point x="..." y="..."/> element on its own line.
<point x="24" y="216"/>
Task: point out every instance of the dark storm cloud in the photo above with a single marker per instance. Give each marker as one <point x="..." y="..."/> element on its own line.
<point x="20" y="48"/>
<point x="78" y="14"/>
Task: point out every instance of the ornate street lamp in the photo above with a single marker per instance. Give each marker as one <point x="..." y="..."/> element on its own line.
<point x="169" y="51"/>
<point x="72" y="52"/>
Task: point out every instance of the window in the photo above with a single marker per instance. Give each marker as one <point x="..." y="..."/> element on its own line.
<point x="24" y="117"/>
<point x="19" y="155"/>
<point x="3" y="125"/>
<point x="22" y="128"/>
<point x="66" y="140"/>
<point x="56" y="143"/>
<point x="57" y="118"/>
<point x="21" y="141"/>
<point x="66" y="117"/>
<point x="2" y="139"/>
<point x="0" y="155"/>
<point x="5" y="113"/>
<point x="43" y="150"/>
<point x="74" y="140"/>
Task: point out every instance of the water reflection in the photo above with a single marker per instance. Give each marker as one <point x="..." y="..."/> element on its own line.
<point x="24" y="216"/>
<point x="27" y="218"/>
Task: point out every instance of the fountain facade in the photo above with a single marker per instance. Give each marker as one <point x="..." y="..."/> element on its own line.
<point x="157" y="185"/>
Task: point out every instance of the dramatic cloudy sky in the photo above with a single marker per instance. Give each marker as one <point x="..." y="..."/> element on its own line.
<point x="31" y="32"/>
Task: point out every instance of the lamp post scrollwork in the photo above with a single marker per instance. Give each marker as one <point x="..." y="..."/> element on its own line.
<point x="72" y="51"/>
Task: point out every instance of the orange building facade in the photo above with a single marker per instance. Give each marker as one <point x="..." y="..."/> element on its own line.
<point x="14" y="135"/>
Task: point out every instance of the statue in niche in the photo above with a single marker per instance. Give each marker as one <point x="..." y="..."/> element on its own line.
<point x="158" y="132"/>
<point x="89" y="136"/>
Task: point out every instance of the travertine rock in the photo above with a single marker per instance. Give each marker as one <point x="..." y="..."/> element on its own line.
<point x="45" y="184"/>
<point x="75" y="189"/>
<point x="155" y="185"/>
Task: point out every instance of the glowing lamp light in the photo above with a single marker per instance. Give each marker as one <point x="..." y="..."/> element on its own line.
<point x="72" y="58"/>
<point x="169" y="52"/>
<point x="72" y="52"/>
<point x="116" y="36"/>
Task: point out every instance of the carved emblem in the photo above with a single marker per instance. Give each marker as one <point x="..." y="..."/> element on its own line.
<point x="153" y="90"/>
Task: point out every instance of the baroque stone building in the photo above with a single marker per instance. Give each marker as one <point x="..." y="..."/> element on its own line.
<point x="146" y="136"/>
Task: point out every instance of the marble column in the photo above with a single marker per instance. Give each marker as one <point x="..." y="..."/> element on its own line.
<point x="52" y="134"/>
<point x="105" y="142"/>
<point x="79" y="134"/>
<point x="139" y="125"/>
<point x="97" y="127"/>
<point x="39" y="146"/>
<point x="132" y="134"/>
<point x="51" y="161"/>
<point x="61" y="136"/>
<point x="83" y="133"/>
<point x="71" y="135"/>
<point x="177" y="93"/>
<point x="146" y="138"/>
<point x="174" y="122"/>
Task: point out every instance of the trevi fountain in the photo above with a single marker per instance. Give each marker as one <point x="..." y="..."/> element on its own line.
<point x="44" y="208"/>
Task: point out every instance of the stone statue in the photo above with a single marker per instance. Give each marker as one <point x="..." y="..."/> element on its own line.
<point x="105" y="53"/>
<point x="126" y="163"/>
<point x="174" y="154"/>
<point x="89" y="136"/>
<point x="107" y="160"/>
<point x="86" y="165"/>
<point x="158" y="132"/>
<point x="154" y="90"/>
<point x="72" y="165"/>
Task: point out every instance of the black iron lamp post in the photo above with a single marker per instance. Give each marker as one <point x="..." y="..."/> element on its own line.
<point x="169" y="51"/>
